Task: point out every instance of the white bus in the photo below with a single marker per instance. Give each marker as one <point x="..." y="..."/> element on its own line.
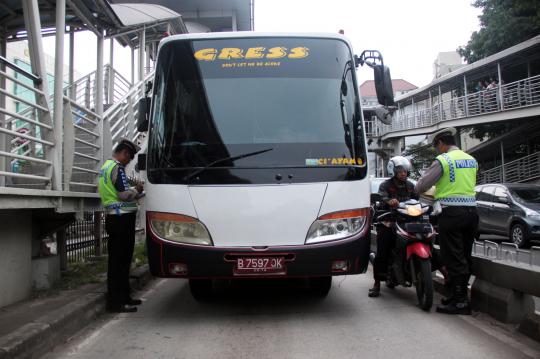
<point x="256" y="164"/>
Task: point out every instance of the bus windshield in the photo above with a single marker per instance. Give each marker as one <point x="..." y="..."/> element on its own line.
<point x="291" y="101"/>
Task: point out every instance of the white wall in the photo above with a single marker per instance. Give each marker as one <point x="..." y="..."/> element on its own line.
<point x="15" y="256"/>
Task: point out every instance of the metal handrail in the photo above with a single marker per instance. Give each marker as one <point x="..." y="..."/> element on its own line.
<point x="523" y="169"/>
<point x="517" y="94"/>
<point x="135" y="88"/>
<point x="507" y="252"/>
<point x="29" y="150"/>
<point x="14" y="67"/>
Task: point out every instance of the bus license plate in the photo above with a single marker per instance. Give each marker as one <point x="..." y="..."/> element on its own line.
<point x="260" y="265"/>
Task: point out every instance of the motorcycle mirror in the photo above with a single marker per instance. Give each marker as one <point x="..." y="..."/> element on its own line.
<point x="375" y="197"/>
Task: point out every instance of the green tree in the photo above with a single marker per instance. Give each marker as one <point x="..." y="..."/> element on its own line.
<point x="503" y="23"/>
<point x="421" y="157"/>
<point x="488" y="131"/>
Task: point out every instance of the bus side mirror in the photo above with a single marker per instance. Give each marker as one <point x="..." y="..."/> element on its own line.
<point x="375" y="197"/>
<point x="383" y="85"/>
<point x="144" y="110"/>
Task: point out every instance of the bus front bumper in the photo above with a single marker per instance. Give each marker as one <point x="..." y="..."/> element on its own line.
<point x="344" y="257"/>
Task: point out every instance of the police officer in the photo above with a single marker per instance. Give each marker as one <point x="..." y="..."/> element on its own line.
<point x="393" y="191"/>
<point x="454" y="175"/>
<point x="120" y="202"/>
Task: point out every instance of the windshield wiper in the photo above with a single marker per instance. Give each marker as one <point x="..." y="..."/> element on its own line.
<point x="230" y="158"/>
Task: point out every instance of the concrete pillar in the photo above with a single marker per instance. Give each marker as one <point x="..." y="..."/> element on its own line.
<point x="458" y="138"/>
<point x="147" y="62"/>
<point x="430" y="107"/>
<point x="32" y="23"/>
<point x="99" y="76"/>
<point x="440" y="105"/>
<point x="413" y="114"/>
<point x="501" y="99"/>
<point x="502" y="163"/>
<point x="465" y="99"/>
<point x="3" y="142"/>
<point x="72" y="62"/>
<point x="234" y="23"/>
<point x="15" y="256"/>
<point x="142" y="41"/>
<point x="396" y="144"/>
<point x="132" y="66"/>
<point x="58" y="118"/>
<point x="110" y="85"/>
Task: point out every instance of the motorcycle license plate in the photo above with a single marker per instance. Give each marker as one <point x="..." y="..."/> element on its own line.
<point x="418" y="227"/>
<point x="259" y="265"/>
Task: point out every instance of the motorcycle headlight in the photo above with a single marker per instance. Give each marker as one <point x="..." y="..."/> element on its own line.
<point x="337" y="225"/>
<point x="413" y="210"/>
<point x="179" y="228"/>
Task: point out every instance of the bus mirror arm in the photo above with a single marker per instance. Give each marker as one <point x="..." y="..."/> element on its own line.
<point x="383" y="80"/>
<point x="144" y="109"/>
<point x="384" y="114"/>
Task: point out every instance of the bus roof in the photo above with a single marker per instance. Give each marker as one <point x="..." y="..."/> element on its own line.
<point x="253" y="34"/>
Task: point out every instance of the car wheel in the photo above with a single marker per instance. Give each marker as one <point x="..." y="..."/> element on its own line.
<point x="518" y="235"/>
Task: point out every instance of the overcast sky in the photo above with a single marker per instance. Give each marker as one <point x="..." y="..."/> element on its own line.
<point x="408" y="33"/>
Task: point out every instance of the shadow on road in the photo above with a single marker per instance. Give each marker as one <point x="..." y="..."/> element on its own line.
<point x="268" y="298"/>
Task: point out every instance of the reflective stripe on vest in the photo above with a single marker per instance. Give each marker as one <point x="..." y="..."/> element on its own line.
<point x="109" y="193"/>
<point x="456" y="185"/>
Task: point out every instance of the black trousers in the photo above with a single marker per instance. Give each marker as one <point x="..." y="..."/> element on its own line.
<point x="386" y="239"/>
<point x="457" y="227"/>
<point x="121" y="231"/>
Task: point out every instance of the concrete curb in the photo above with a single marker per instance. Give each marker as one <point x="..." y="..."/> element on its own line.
<point x="35" y="339"/>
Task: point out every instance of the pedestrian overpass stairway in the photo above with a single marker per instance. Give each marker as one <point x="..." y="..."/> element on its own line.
<point x="521" y="170"/>
<point x="30" y="143"/>
<point x="520" y="99"/>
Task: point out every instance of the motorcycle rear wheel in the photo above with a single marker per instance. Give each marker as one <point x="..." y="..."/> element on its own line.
<point x="424" y="283"/>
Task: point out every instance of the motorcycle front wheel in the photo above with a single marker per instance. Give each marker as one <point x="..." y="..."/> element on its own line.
<point x="424" y="283"/>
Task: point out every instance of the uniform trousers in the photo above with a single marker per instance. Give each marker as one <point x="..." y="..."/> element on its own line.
<point x="457" y="228"/>
<point x="120" y="244"/>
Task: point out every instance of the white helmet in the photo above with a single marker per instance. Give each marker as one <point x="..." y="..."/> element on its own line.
<point x="396" y="163"/>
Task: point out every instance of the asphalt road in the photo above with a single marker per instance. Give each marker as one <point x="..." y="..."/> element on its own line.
<point x="259" y="319"/>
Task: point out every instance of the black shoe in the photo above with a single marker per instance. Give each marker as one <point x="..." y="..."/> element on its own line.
<point x="124" y="308"/>
<point x="390" y="283"/>
<point x="374" y="292"/>
<point x="446" y="301"/>
<point x="459" y="307"/>
<point x="132" y="301"/>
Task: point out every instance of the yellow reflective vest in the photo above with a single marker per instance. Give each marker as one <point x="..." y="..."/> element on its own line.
<point x="456" y="185"/>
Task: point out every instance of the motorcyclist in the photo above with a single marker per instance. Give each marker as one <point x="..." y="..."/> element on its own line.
<point x="393" y="191"/>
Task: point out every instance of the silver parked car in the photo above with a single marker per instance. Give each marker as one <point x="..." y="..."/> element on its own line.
<point x="510" y="209"/>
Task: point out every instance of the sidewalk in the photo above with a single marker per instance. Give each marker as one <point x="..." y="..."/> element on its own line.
<point x="31" y="328"/>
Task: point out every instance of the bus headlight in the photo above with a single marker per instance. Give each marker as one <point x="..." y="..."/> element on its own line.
<point x="179" y="228"/>
<point x="337" y="225"/>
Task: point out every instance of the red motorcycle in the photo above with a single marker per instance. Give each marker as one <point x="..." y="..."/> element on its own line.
<point x="411" y="262"/>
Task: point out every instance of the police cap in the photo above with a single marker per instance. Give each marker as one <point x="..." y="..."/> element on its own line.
<point x="449" y="131"/>
<point x="128" y="145"/>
